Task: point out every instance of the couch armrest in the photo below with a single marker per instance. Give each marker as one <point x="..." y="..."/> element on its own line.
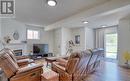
<point x="29" y="67"/>
<point x="62" y="62"/>
<point x="25" y="62"/>
<point x="64" y="76"/>
<point x="58" y="68"/>
<point x="30" y="73"/>
<point x="22" y="57"/>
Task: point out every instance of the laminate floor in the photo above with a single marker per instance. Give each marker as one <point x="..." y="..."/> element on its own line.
<point x="109" y="71"/>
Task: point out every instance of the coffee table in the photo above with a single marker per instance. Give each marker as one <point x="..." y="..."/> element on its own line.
<point x="53" y="59"/>
<point x="50" y="59"/>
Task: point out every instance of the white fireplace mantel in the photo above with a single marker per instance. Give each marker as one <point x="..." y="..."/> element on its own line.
<point x="17" y="46"/>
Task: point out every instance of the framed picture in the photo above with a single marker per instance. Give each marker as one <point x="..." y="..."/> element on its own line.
<point x="77" y="39"/>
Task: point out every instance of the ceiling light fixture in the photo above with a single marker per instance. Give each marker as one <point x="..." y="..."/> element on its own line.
<point x="103" y="26"/>
<point x="51" y="2"/>
<point x="85" y="22"/>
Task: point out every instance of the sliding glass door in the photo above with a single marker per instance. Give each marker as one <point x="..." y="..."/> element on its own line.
<point x="111" y="45"/>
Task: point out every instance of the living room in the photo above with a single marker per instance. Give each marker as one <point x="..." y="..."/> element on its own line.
<point x="49" y="33"/>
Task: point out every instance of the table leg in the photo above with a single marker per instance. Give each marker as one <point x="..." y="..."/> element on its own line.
<point x="47" y="64"/>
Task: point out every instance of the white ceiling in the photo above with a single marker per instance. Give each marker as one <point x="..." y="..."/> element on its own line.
<point x="107" y="14"/>
<point x="107" y="19"/>
<point x="71" y="13"/>
<point x="37" y="12"/>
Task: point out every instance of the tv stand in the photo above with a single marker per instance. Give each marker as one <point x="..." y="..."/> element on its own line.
<point x="41" y="55"/>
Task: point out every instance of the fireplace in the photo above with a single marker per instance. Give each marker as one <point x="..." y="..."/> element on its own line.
<point x="18" y="52"/>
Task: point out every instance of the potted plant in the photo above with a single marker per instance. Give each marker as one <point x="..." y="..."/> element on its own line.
<point x="126" y="56"/>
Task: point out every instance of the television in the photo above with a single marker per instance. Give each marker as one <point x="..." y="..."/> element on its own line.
<point x="40" y="48"/>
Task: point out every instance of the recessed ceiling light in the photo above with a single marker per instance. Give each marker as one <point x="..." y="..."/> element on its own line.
<point x="85" y="22"/>
<point x="51" y="2"/>
<point x="103" y="26"/>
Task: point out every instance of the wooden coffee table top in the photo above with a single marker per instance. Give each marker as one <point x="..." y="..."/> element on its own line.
<point x="51" y="58"/>
<point x="54" y="58"/>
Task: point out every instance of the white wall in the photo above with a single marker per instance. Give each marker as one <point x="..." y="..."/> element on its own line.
<point x="46" y="37"/>
<point x="57" y="39"/>
<point x="124" y="38"/>
<point x="86" y="38"/>
<point x="66" y="36"/>
<point x="89" y="37"/>
<point x="0" y="27"/>
<point x="0" y="35"/>
<point x="63" y="35"/>
<point x="81" y="32"/>
<point x="10" y="25"/>
<point x="57" y="42"/>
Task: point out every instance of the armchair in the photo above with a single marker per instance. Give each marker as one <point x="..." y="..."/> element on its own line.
<point x="97" y="56"/>
<point x="21" y="60"/>
<point x="68" y="71"/>
<point x="13" y="72"/>
<point x="78" y="65"/>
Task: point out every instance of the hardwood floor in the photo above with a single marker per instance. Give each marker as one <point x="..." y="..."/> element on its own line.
<point x="109" y="71"/>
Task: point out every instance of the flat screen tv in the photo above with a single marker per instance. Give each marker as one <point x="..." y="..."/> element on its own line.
<point x="40" y="48"/>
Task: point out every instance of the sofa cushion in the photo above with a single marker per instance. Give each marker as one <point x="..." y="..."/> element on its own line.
<point x="8" y="65"/>
<point x="11" y="54"/>
<point x="72" y="62"/>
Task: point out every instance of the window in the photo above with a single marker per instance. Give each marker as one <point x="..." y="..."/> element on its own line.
<point x="111" y="45"/>
<point x="33" y="34"/>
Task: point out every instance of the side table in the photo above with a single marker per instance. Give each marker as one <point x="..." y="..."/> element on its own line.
<point x="49" y="75"/>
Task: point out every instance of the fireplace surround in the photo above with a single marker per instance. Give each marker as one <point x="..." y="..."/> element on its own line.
<point x="18" y="52"/>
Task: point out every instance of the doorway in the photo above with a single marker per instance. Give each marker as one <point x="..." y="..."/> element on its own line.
<point x="111" y="45"/>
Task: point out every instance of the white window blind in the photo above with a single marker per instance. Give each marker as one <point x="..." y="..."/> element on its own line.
<point x="33" y="34"/>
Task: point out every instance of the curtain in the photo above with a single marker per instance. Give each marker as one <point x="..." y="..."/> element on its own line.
<point x="99" y="38"/>
<point x="100" y="35"/>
